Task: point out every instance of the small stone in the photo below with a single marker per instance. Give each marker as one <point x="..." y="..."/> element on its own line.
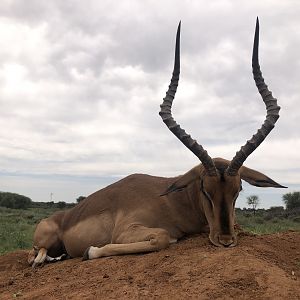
<point x="10" y="281"/>
<point x="18" y="294"/>
<point x="105" y="276"/>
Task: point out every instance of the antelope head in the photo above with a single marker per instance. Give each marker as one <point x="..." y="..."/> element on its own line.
<point x="220" y="179"/>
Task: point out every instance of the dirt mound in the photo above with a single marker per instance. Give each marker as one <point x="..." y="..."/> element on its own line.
<point x="260" y="267"/>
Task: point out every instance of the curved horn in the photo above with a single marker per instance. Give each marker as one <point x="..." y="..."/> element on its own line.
<point x="166" y="115"/>
<point x="272" y="112"/>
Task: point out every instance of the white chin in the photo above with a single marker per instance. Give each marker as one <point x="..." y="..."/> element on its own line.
<point x="215" y="242"/>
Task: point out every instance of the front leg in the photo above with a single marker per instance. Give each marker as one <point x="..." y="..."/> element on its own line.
<point x="37" y="256"/>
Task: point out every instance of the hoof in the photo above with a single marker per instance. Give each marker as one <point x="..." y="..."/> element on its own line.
<point x="86" y="254"/>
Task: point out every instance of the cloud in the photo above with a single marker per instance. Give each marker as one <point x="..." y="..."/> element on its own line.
<point x="80" y="86"/>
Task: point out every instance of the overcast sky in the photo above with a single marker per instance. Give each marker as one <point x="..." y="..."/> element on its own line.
<point x="81" y="84"/>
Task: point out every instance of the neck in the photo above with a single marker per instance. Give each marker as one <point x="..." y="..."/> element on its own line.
<point x="186" y="209"/>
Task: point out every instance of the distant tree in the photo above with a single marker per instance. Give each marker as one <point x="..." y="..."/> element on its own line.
<point x="276" y="209"/>
<point x="291" y="200"/>
<point x="61" y="204"/>
<point x="80" y="198"/>
<point x="22" y="202"/>
<point x="13" y="200"/>
<point x="253" y="201"/>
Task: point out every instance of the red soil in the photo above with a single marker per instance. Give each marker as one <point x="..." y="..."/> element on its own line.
<point x="260" y="267"/>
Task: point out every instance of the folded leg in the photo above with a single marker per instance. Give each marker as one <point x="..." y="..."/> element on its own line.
<point x="136" y="239"/>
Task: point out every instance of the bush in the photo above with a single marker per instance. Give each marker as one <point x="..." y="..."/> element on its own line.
<point x="247" y="215"/>
<point x="275" y="220"/>
<point x="259" y="220"/>
<point x="12" y="200"/>
<point x="61" y="204"/>
<point x="296" y="219"/>
<point x="268" y="217"/>
<point x="276" y="209"/>
<point x="81" y="198"/>
<point x="291" y="200"/>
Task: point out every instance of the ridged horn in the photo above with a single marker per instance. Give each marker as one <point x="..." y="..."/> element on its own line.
<point x="272" y="112"/>
<point x="167" y="118"/>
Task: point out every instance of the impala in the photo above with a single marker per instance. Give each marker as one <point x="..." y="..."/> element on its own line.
<point x="143" y="213"/>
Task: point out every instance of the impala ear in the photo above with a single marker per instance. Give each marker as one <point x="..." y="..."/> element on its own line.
<point x="258" y="179"/>
<point x="183" y="181"/>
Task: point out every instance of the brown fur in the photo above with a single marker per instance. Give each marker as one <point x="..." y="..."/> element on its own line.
<point x="132" y="216"/>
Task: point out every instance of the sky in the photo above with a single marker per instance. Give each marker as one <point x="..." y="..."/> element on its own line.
<point x="81" y="84"/>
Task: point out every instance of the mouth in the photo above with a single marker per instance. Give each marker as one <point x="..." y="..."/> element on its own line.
<point x="228" y="242"/>
<point x="37" y="256"/>
<point x="31" y="256"/>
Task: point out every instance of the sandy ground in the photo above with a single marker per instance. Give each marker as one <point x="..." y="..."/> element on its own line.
<point x="260" y="267"/>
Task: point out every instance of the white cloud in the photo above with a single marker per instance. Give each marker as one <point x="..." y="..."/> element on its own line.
<point x="80" y="87"/>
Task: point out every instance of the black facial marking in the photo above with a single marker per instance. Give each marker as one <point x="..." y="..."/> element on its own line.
<point x="224" y="218"/>
<point x="222" y="169"/>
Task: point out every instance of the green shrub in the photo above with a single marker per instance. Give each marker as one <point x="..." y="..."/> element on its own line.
<point x="275" y="220"/>
<point x="296" y="219"/>
<point x="259" y="220"/>
<point x="12" y="200"/>
<point x="268" y="217"/>
<point x="17" y="227"/>
<point x="291" y="200"/>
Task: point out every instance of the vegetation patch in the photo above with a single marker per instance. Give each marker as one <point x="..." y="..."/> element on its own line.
<point x="17" y="227"/>
<point x="265" y="222"/>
